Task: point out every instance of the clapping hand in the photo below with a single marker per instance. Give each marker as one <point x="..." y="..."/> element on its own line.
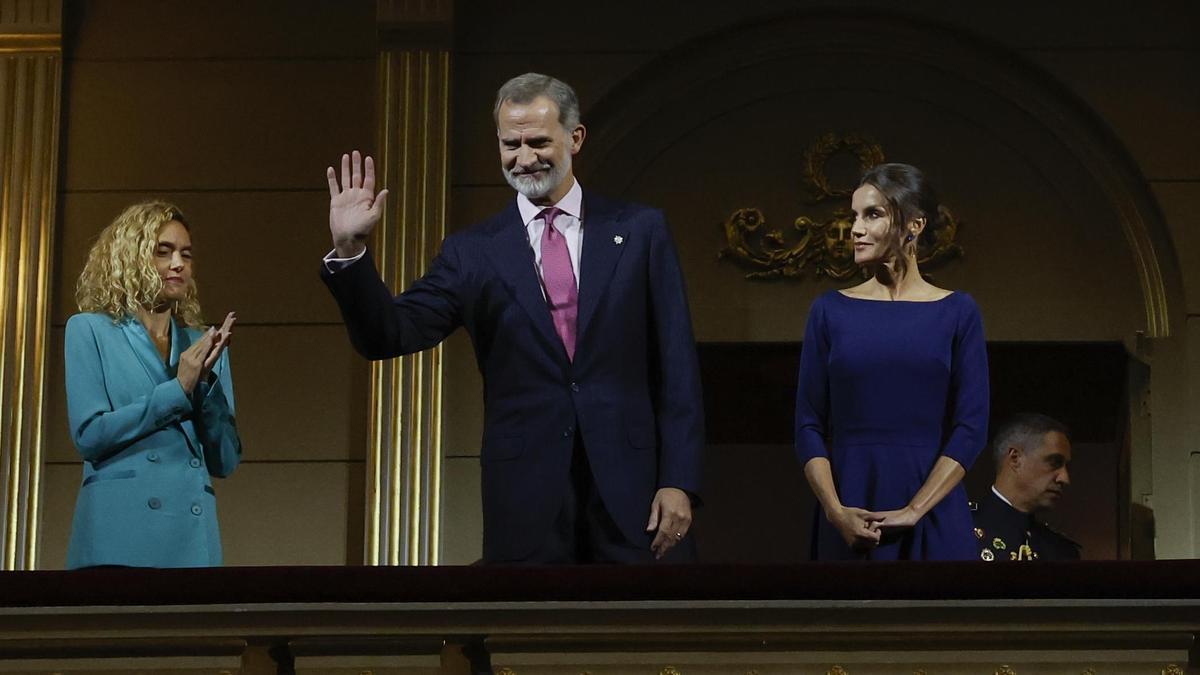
<point x="197" y="361"/>
<point x="354" y="208"/>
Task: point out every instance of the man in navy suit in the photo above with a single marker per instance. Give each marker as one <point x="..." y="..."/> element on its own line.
<point x="577" y="311"/>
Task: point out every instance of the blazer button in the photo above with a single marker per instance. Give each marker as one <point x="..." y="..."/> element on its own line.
<point x="154" y="503"/>
<point x="194" y="463"/>
<point x="196" y="510"/>
<point x="575" y="387"/>
<point x="152" y="457"/>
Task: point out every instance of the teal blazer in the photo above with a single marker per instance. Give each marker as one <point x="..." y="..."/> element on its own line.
<point x="149" y="449"/>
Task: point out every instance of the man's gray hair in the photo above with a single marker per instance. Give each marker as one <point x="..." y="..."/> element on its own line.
<point x="1024" y="431"/>
<point x="525" y="88"/>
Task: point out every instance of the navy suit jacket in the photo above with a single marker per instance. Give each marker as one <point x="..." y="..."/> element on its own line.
<point x="632" y="391"/>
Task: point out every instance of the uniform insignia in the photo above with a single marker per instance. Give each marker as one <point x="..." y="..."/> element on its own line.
<point x="978" y="533"/>
<point x="1026" y="553"/>
<point x="999" y="544"/>
<point x="618" y="240"/>
<point x="1012" y="555"/>
<point x="987" y="555"/>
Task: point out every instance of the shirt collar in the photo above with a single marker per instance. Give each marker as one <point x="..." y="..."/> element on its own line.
<point x="571" y="204"/>
<point x="1002" y="497"/>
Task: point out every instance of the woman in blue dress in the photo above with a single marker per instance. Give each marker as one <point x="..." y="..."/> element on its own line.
<point x="149" y="400"/>
<point x="894" y="375"/>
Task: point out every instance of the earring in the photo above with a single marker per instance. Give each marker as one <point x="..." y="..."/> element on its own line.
<point x="909" y="238"/>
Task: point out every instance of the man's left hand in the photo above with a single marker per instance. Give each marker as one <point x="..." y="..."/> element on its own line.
<point x="671" y="516"/>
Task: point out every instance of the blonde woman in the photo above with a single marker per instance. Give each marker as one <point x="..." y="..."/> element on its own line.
<point x="149" y="400"/>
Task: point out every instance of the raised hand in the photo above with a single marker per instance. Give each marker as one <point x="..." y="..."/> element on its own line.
<point x="354" y="208"/>
<point x="671" y="516"/>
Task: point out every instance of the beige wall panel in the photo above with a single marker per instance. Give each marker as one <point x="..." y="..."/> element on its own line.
<point x="478" y="76"/>
<point x="213" y="124"/>
<point x="1148" y="98"/>
<point x="287" y="514"/>
<point x="257" y="253"/>
<point x="462" y="517"/>
<point x="612" y="26"/>
<point x="158" y="29"/>
<point x="57" y="429"/>
<point x="61" y="484"/>
<point x="462" y="404"/>
<point x="1178" y="202"/>
<point x="301" y="395"/>
<point x="472" y="204"/>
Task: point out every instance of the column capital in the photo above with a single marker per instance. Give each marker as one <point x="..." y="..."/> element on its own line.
<point x="409" y="24"/>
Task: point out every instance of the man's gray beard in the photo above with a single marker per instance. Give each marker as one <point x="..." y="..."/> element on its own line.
<point x="537" y="188"/>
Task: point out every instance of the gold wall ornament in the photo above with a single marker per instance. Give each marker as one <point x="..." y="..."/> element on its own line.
<point x="838" y="670"/>
<point x="1005" y="670"/>
<point x="823" y="243"/>
<point x="817" y="156"/>
<point x="1172" y="670"/>
<point x="404" y="472"/>
<point x="30" y="95"/>
<point x="670" y="670"/>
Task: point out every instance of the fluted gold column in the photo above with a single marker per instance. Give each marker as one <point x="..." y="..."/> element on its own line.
<point x="404" y="458"/>
<point x="30" y="83"/>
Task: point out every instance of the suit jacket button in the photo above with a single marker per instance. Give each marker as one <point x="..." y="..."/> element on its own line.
<point x="194" y="463"/>
<point x="575" y="387"/>
<point x="152" y="457"/>
<point x="196" y="510"/>
<point x="154" y="503"/>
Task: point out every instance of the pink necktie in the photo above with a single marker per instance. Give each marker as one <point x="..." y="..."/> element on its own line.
<point x="558" y="279"/>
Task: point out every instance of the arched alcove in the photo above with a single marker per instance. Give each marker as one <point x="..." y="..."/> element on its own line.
<point x="1049" y="196"/>
<point x="1063" y="241"/>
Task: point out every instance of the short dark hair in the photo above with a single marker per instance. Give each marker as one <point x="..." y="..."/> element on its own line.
<point x="1024" y="430"/>
<point x="525" y="88"/>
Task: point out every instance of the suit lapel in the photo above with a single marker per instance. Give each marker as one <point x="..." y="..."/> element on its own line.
<point x="604" y="236"/>
<point x="144" y="349"/>
<point x="513" y="259"/>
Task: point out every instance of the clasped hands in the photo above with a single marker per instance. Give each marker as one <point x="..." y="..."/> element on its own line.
<point x="862" y="529"/>
<point x="197" y="361"/>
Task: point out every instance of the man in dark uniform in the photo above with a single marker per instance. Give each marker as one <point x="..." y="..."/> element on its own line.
<point x="1032" y="453"/>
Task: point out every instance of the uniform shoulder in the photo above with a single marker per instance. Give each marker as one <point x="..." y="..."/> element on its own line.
<point x="1056" y="535"/>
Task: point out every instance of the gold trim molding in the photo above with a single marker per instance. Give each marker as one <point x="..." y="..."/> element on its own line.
<point x="30" y="91"/>
<point x="404" y="471"/>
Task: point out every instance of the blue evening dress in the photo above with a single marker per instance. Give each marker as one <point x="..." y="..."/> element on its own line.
<point x="894" y="385"/>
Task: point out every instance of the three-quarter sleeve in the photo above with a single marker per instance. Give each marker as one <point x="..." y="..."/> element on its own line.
<point x="812" y="392"/>
<point x="97" y="429"/>
<point x="969" y="389"/>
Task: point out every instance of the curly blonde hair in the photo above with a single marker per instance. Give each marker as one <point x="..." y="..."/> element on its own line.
<point x="119" y="277"/>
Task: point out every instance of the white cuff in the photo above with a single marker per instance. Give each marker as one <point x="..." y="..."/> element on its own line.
<point x="335" y="265"/>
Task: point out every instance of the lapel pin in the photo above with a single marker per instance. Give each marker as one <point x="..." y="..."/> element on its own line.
<point x="618" y="240"/>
